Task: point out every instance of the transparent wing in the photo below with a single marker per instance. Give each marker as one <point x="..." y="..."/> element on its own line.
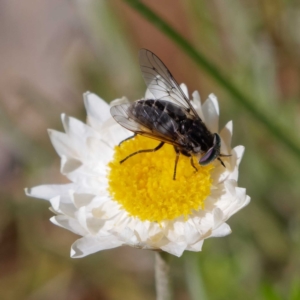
<point x="123" y="115"/>
<point x="161" y="82"/>
<point x="120" y="114"/>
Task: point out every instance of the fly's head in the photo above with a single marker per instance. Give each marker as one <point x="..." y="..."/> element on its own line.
<point x="212" y="153"/>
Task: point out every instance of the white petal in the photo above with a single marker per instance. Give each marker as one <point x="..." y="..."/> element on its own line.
<point x="155" y="233"/>
<point x="218" y="217"/>
<point x="215" y="102"/>
<point x="62" y="144"/>
<point x="196" y="247"/>
<point x="88" y="245"/>
<point x="95" y="226"/>
<point x="185" y="89"/>
<point x="55" y="203"/>
<point x="127" y="236"/>
<point x="197" y="105"/>
<point x="242" y="200"/>
<point x="99" y="150"/>
<point x="191" y="233"/>
<point x="175" y="248"/>
<point x="108" y="210"/>
<point x="239" y="150"/>
<point x="81" y="200"/>
<point x="237" y="154"/>
<point x="210" y="110"/>
<point x="148" y="94"/>
<point x="230" y="186"/>
<point x="119" y="101"/>
<point x="174" y="231"/>
<point x="60" y="206"/>
<point x="69" y="165"/>
<point x="97" y="109"/>
<point x="141" y="230"/>
<point x="196" y="98"/>
<point x="49" y="191"/>
<point x="226" y="135"/>
<point x="231" y="171"/>
<point x="69" y="224"/>
<point x="203" y="220"/>
<point x="115" y="133"/>
<point x="77" y="130"/>
<point x="246" y="202"/>
<point x="221" y="231"/>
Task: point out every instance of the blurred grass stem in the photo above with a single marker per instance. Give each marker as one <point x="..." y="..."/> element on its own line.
<point x="200" y="59"/>
<point x="162" y="276"/>
<point x="193" y="277"/>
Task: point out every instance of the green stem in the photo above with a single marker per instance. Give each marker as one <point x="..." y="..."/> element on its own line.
<point x="215" y="73"/>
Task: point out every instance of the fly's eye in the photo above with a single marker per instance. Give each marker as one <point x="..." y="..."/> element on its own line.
<point x="212" y="153"/>
<point x="208" y="157"/>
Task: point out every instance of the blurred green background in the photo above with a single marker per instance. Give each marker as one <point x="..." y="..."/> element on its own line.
<point x="53" y="51"/>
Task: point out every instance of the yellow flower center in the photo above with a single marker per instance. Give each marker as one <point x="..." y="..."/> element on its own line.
<point x="143" y="185"/>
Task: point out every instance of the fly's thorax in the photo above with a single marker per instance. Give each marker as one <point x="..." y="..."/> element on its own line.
<point x="199" y="138"/>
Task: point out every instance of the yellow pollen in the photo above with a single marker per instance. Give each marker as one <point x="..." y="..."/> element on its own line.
<point x="143" y="185"/>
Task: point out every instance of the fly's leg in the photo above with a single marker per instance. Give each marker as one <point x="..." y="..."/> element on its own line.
<point x="130" y="137"/>
<point x="192" y="163"/>
<point x="177" y="158"/>
<point x="221" y="161"/>
<point x="223" y="155"/>
<point x="176" y="161"/>
<point x="142" y="151"/>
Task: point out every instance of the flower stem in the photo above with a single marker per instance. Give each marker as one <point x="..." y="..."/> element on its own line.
<point x="162" y="276"/>
<point x="199" y="58"/>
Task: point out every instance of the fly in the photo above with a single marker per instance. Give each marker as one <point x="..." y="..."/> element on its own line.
<point x="168" y="117"/>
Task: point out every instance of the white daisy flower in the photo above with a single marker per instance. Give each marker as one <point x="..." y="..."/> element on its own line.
<point x="138" y="203"/>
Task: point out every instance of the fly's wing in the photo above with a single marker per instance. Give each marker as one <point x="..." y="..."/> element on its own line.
<point x="123" y="115"/>
<point x="161" y="82"/>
